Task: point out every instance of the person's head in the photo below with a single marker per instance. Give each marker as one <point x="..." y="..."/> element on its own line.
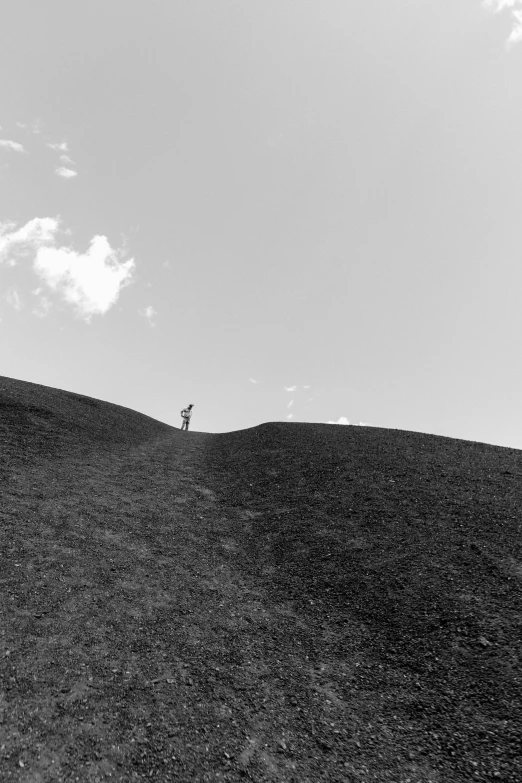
<point x="191" y="406"/>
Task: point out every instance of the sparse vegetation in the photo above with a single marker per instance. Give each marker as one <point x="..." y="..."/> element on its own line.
<point x="292" y="602"/>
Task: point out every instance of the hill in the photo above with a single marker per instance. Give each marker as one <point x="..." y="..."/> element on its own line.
<point x="292" y="602"/>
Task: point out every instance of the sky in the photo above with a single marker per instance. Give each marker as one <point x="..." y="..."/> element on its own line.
<point x="276" y="210"/>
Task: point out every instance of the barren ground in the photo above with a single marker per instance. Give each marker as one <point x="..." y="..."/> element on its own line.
<point x="293" y="602"/>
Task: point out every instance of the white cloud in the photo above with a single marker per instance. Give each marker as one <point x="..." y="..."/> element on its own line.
<point x="290" y="388"/>
<point x="90" y="281"/>
<point x="36" y="233"/>
<point x="290" y="416"/>
<point x="307" y="387"/>
<point x="150" y="314"/>
<point x="252" y="380"/>
<point x="35" y="127"/>
<point x="44" y="304"/>
<point x="62" y="147"/>
<point x="344" y="420"/>
<point x="290" y="404"/>
<point x="66" y="173"/>
<point x="13" y="299"/>
<point x="516" y="12"/>
<point x="12" y="145"/>
<point x="64" y="157"/>
<point x="43" y="309"/>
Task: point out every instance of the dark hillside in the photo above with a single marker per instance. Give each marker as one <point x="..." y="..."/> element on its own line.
<point x="396" y="505"/>
<point x="48" y="420"/>
<point x="294" y="602"/>
<point x="409" y="544"/>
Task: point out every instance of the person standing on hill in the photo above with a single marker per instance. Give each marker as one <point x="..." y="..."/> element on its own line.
<point x="186" y="413"/>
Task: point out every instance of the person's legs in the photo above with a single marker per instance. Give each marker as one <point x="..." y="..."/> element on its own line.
<point x="188" y="422"/>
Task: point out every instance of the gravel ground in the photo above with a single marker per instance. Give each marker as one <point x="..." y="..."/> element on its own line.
<point x="292" y="602"/>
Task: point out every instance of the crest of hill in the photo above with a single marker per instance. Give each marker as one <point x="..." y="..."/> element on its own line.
<point x="48" y="419"/>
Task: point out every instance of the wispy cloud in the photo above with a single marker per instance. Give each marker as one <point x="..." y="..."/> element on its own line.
<point x="44" y="304"/>
<point x="290" y="416"/>
<point x="150" y="315"/>
<point x="252" y="380"/>
<point x="91" y="282"/>
<point x="61" y="147"/>
<point x="66" y="173"/>
<point x="15" y="146"/>
<point x="515" y="8"/>
<point x="290" y="404"/>
<point x="35" y="127"/>
<point x="19" y="242"/>
<point x="290" y="388"/>
<point x="63" y="171"/>
<point x="13" y="299"/>
<point x="344" y="420"/>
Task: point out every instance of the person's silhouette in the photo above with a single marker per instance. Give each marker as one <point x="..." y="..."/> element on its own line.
<point x="186" y="413"/>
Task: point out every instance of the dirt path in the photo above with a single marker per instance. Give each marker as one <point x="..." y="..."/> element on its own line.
<point x="133" y="649"/>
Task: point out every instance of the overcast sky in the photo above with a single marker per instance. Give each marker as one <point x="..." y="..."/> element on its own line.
<point x="277" y="210"/>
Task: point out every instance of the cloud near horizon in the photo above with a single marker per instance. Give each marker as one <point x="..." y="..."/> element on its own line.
<point x="515" y="6"/>
<point x="344" y="420"/>
<point x="341" y="420"/>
